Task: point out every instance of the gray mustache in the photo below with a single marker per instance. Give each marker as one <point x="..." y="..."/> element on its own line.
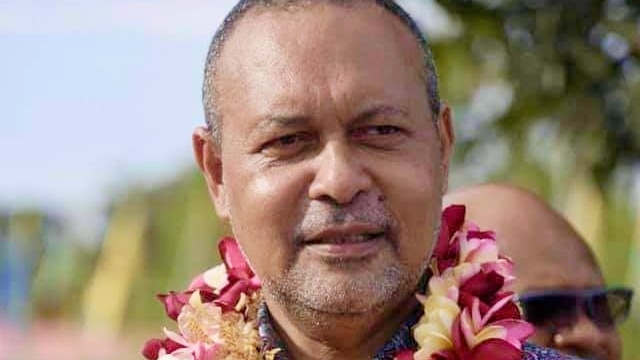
<point x="369" y="210"/>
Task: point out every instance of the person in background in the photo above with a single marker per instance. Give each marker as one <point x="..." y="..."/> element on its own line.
<point x="560" y="285"/>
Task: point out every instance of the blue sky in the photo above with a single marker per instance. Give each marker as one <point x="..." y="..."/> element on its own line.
<point x="97" y="94"/>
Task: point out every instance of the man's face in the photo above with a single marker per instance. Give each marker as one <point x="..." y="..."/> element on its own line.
<point x="332" y="169"/>
<point x="581" y="336"/>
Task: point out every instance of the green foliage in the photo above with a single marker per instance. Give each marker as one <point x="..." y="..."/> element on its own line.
<point x="574" y="63"/>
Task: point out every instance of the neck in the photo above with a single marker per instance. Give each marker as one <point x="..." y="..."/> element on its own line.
<point x="310" y="334"/>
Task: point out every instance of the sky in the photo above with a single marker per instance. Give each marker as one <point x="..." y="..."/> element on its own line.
<point x="97" y="94"/>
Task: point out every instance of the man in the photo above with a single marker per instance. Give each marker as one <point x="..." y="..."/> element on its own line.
<point x="562" y="288"/>
<point x="327" y="150"/>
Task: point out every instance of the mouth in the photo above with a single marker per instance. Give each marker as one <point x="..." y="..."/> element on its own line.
<point x="346" y="239"/>
<point x="350" y="241"/>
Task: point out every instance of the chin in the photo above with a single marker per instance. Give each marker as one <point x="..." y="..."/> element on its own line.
<point x="348" y="287"/>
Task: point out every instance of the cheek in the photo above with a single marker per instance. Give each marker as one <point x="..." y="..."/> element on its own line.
<point x="614" y="342"/>
<point x="413" y="192"/>
<point x="264" y="208"/>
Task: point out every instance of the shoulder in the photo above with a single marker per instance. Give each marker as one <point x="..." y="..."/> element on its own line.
<point x="535" y="352"/>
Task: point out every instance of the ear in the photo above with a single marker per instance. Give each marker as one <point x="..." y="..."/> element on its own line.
<point x="207" y="154"/>
<point x="447" y="138"/>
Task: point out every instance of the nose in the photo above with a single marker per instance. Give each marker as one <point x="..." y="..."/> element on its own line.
<point x="585" y="339"/>
<point x="339" y="175"/>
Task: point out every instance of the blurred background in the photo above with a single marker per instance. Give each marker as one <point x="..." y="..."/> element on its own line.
<point x="101" y="206"/>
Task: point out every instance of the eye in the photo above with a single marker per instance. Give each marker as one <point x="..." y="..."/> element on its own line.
<point x="379" y="135"/>
<point x="287" y="145"/>
<point x="375" y="130"/>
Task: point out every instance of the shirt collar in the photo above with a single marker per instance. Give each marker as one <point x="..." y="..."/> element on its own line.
<point x="402" y="339"/>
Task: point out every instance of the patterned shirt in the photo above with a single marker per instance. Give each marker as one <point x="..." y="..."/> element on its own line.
<point x="401" y="340"/>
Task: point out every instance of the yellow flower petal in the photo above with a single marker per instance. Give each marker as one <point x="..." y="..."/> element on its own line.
<point x="431" y="341"/>
<point x="195" y="300"/>
<point x="421" y="332"/>
<point x="490" y="332"/>
<point x="435" y="303"/>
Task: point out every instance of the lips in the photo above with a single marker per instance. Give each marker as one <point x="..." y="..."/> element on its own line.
<point x="345" y="234"/>
<point x="346" y="239"/>
<point x="352" y="240"/>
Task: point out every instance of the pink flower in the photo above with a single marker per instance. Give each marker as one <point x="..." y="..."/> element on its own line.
<point x="224" y="288"/>
<point x="213" y="279"/>
<point x="155" y="347"/>
<point x="237" y="266"/>
<point x="467" y="314"/>
<point x="445" y="253"/>
<point x="495" y="349"/>
<point x="404" y="355"/>
<point x="240" y="277"/>
<point x="199" y="325"/>
<point x="473" y="328"/>
<point x="478" y="247"/>
<point x="197" y="352"/>
<point x="210" y="307"/>
<point x="502" y="266"/>
<point x="175" y="301"/>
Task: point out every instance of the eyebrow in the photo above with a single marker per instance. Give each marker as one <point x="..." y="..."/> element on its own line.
<point x="292" y="121"/>
<point x="282" y="121"/>
<point x="378" y="110"/>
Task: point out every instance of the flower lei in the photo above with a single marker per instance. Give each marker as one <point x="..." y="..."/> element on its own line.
<point x="216" y="316"/>
<point x="467" y="313"/>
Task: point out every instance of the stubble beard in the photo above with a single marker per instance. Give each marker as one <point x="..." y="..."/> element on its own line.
<point x="316" y="294"/>
<point x="316" y="291"/>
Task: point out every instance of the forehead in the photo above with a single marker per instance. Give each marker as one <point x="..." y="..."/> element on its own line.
<point x="549" y="278"/>
<point x="293" y="57"/>
<point x="544" y="265"/>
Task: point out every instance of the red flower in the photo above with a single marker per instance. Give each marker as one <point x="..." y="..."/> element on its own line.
<point x="174" y="301"/>
<point x="495" y="349"/>
<point x="508" y="310"/>
<point x="445" y="355"/>
<point x="234" y="260"/>
<point x="483" y="284"/>
<point x="477" y="335"/>
<point x="404" y="355"/>
<point x="468" y="315"/>
<point x="220" y="290"/>
<point x="151" y="349"/>
<point x="241" y="278"/>
<point x="447" y="247"/>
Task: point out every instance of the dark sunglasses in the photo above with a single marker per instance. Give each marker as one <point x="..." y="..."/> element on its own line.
<point x="561" y="308"/>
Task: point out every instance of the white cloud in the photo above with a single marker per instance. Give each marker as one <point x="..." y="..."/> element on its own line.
<point x="150" y="17"/>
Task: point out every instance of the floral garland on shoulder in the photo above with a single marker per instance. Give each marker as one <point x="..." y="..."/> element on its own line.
<point x="467" y="313"/>
<point x="216" y="315"/>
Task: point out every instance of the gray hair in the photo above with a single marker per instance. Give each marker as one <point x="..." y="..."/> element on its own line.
<point x="243" y="6"/>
